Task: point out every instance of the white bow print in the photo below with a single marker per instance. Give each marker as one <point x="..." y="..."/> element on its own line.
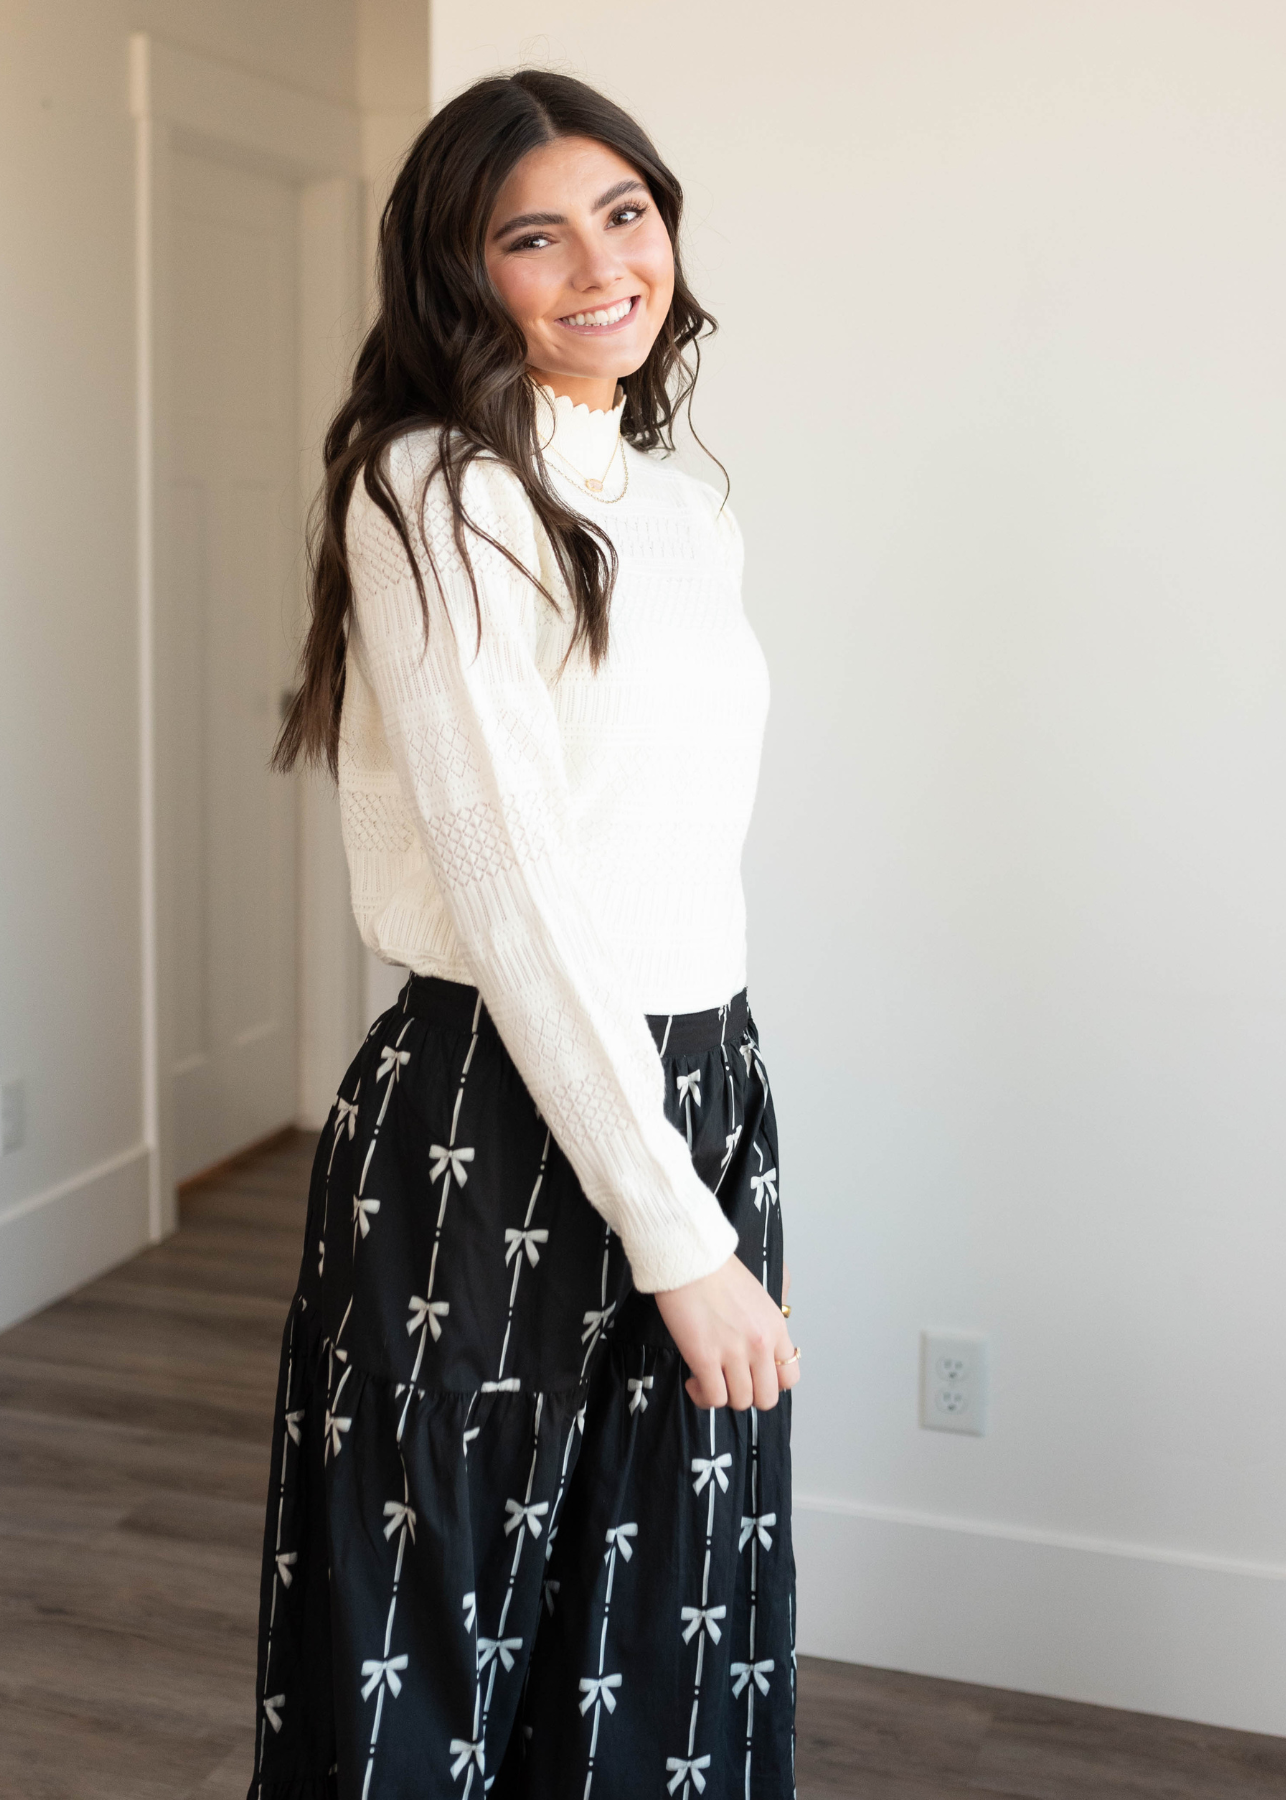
<point x="383" y="1671"/>
<point x="292" y="1424"/>
<point x="273" y="1709"/>
<point x="425" y="1310"/>
<point x="599" y="1687"/>
<point x="729" y="1145"/>
<point x="703" y="1467"/>
<point x="470" y="1604"/>
<point x="398" y="1514"/>
<point x="756" y="1525"/>
<point x="286" y="1560"/>
<point x="636" y="1385"/>
<point x="764" y="1185"/>
<point x="345" y="1109"/>
<point x="689" y="1086"/>
<point x="501" y="1647"/>
<point x="702" y="1618"/>
<point x="594" y="1322"/>
<point x="524" y="1240"/>
<point x="332" y="1429"/>
<point x="687" y="1766"/>
<point x="447" y="1156"/>
<point x="620" y="1535"/>
<point x="363" y="1212"/>
<point x="518" y="1512"/>
<point x="748" y="1049"/>
<point x="392" y="1062"/>
<point x="742" y="1672"/>
<point x="465" y="1753"/>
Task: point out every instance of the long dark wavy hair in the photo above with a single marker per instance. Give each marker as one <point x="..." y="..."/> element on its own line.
<point x="444" y="352"/>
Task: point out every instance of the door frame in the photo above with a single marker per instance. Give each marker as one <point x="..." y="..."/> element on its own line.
<point x="180" y="100"/>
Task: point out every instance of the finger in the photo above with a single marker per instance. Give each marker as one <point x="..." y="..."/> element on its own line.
<point x="787" y="1363"/>
<point x="764" y="1371"/>
<point x="740" y="1384"/>
<point x="785" y="1283"/>
<point x="706" y="1386"/>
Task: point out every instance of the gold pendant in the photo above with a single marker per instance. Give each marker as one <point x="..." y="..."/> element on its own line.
<point x="595" y="487"/>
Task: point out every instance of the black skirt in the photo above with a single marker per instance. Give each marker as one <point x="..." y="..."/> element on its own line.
<point x="505" y="1554"/>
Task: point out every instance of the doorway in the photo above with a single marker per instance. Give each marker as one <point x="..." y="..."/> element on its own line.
<point x="234" y="534"/>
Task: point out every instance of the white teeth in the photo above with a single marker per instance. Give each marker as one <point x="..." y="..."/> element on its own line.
<point x="607" y="316"/>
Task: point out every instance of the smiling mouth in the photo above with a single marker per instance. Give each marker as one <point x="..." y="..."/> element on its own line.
<point x="602" y="318"/>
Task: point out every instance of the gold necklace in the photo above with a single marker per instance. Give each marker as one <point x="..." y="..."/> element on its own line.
<point x="593" y="485"/>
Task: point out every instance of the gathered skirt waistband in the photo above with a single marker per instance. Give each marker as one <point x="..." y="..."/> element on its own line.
<point x="453" y="1003"/>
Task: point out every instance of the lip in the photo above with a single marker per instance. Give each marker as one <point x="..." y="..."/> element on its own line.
<point x="636" y="302"/>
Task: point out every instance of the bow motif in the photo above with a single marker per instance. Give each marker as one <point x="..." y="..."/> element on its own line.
<point x="620" y="1535"/>
<point x="689" y="1086"/>
<point x="729" y="1145"/>
<point x="286" y="1560"/>
<point x="598" y="1687"/>
<point x="687" y="1765"/>
<point x="594" y="1322"/>
<point x="703" y="1467"/>
<point x="332" y="1429"/>
<point x="743" y="1672"/>
<point x="518" y="1511"/>
<point x="426" y="1311"/>
<point x="363" y="1212"/>
<point x="470" y="1604"/>
<point x="345" y="1109"/>
<point x="448" y="1156"/>
<point x="398" y="1515"/>
<point x="764" y="1187"/>
<point x="392" y="1062"/>
<point x="636" y="1385"/>
<point x="292" y="1424"/>
<point x="756" y="1525"/>
<point x="519" y="1241"/>
<point x="465" y="1753"/>
<point x="551" y="1588"/>
<point x="702" y="1618"/>
<point x="387" y="1670"/>
<point x="501" y="1647"/>
<point x="273" y="1709"/>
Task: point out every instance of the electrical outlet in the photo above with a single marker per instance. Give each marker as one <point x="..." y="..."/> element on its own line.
<point x="953" y="1383"/>
<point x="13" y="1117"/>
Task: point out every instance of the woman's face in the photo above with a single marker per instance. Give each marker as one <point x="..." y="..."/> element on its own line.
<point x="582" y="260"/>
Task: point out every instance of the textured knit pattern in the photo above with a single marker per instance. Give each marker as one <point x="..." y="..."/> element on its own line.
<point x="545" y="832"/>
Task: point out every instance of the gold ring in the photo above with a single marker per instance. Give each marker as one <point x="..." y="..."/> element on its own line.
<point x="785" y="1310"/>
<point x="784" y="1361"/>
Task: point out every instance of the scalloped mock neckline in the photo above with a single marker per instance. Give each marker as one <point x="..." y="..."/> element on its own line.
<point x="584" y="439"/>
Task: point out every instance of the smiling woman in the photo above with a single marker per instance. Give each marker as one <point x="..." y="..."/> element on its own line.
<point x="530" y="1524"/>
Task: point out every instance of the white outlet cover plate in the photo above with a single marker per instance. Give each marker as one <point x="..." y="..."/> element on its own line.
<point x="953" y="1382"/>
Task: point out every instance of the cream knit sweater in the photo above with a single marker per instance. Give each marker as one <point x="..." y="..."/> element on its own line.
<point x="569" y="843"/>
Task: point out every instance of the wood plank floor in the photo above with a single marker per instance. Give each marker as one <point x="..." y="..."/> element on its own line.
<point x="134" y="1433"/>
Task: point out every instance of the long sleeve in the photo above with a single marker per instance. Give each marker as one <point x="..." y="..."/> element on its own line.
<point x="473" y="734"/>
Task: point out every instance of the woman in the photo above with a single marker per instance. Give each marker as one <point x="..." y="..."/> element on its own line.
<point x="529" y="1527"/>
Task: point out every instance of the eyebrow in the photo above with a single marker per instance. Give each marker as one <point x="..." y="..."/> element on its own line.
<point x="524" y="221"/>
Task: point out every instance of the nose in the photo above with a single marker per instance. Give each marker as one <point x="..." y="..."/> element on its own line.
<point x="598" y="266"/>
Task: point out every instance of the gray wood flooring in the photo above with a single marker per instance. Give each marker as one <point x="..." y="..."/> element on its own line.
<point x="134" y="1431"/>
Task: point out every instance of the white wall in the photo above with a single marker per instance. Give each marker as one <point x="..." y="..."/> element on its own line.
<point x="1002" y="388"/>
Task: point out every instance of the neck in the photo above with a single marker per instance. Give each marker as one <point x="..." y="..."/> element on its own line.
<point x="596" y="392"/>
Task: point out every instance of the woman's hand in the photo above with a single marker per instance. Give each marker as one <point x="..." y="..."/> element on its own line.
<point x="732" y="1336"/>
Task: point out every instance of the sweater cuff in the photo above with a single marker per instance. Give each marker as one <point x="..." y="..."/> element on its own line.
<point x="670" y="1252"/>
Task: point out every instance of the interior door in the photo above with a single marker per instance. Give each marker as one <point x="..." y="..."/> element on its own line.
<point x="233" y="520"/>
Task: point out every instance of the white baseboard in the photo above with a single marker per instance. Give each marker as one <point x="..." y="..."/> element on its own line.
<point x="58" y="1240"/>
<point x="1116" y="1625"/>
